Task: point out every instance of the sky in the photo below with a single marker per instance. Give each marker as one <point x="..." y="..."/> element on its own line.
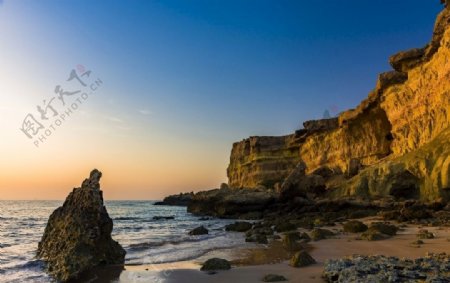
<point x="166" y="87"/>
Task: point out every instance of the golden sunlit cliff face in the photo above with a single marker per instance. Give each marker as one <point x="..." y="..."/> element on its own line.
<point x="397" y="137"/>
<point x="262" y="161"/>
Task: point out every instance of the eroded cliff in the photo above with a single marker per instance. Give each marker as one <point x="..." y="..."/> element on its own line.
<point x="395" y="142"/>
<point x="262" y="161"/>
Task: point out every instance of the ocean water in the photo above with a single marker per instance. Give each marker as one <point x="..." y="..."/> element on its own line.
<point x="146" y="240"/>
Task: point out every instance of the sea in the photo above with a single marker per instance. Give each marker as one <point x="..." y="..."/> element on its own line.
<point x="146" y="240"/>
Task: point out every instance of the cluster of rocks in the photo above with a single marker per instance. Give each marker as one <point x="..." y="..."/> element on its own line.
<point x="259" y="233"/>
<point x="425" y="234"/>
<point x="358" y="268"/>
<point x="379" y="231"/>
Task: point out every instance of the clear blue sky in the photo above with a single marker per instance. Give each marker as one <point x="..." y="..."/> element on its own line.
<point x="252" y="67"/>
<point x="198" y="75"/>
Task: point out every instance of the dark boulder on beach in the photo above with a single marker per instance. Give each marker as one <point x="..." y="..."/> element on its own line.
<point x="321" y="234"/>
<point x="199" y="231"/>
<point x="274" y="278"/>
<point x="78" y="234"/>
<point x="301" y="259"/>
<point x="379" y="231"/>
<point x="216" y="264"/>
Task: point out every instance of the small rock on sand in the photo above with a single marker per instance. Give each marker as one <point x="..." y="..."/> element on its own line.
<point x="301" y="259"/>
<point x="274" y="278"/>
<point x="199" y="231"/>
<point x="216" y="264"/>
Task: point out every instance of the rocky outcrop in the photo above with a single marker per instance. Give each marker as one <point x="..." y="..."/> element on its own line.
<point x="262" y="161"/>
<point x="423" y="173"/>
<point x="78" y="234"/>
<point x="230" y="203"/>
<point x="314" y="126"/>
<point x="298" y="184"/>
<point x="182" y="199"/>
<point x="394" y="143"/>
<point x="267" y="161"/>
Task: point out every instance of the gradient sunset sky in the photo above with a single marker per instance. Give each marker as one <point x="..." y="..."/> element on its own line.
<point x="182" y="81"/>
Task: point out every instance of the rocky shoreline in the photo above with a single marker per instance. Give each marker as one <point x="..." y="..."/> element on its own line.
<point x="387" y="158"/>
<point x="297" y="223"/>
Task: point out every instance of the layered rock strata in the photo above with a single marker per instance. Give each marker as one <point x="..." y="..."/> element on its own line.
<point x="393" y="143"/>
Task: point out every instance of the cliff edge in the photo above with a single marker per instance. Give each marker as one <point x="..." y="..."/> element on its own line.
<point x="394" y="143"/>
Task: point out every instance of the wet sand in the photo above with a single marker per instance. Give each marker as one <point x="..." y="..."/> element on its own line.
<point x="250" y="266"/>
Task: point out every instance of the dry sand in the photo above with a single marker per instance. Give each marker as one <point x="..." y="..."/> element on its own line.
<point x="343" y="245"/>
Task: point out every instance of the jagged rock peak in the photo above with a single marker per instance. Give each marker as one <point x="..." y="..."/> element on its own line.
<point x="93" y="181"/>
<point x="77" y="237"/>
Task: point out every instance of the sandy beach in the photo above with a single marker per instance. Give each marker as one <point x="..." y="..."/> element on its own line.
<point x="344" y="244"/>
